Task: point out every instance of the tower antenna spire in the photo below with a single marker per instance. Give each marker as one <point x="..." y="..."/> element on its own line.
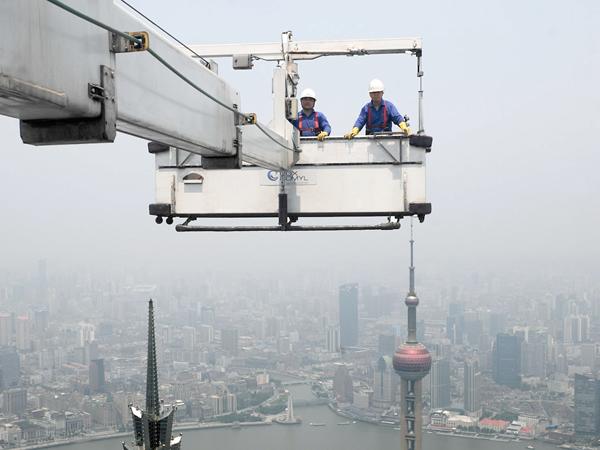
<point x="412" y="362"/>
<point x="152" y="427"/>
<point x="152" y="402"/>
<point x="412" y="263"/>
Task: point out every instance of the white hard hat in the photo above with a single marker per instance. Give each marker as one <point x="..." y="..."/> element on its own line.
<point x="308" y="93"/>
<point x="375" y="85"/>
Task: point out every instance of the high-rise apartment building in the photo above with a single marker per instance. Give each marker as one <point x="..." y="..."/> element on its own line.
<point x="230" y="341"/>
<point x="385" y="383"/>
<point x="587" y="406"/>
<point x="189" y="338"/>
<point x="535" y="354"/>
<point x="455" y="323"/>
<point x="23" y="333"/>
<point x="5" y="329"/>
<point x="386" y="344"/>
<point x="87" y="333"/>
<point x="14" y="401"/>
<point x="472" y="387"/>
<point x="333" y="339"/>
<point x="576" y="328"/>
<point x="206" y="334"/>
<point x="348" y="302"/>
<point x="342" y="384"/>
<point x="439" y="380"/>
<point x="10" y="367"/>
<point x="96" y="376"/>
<point x="507" y="360"/>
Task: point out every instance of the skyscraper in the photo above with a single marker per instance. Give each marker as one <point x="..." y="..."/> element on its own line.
<point x="412" y="362"/>
<point x="206" y="334"/>
<point x="10" y="367"/>
<point x="87" y="333"/>
<point x="152" y="427"/>
<point x="576" y="328"/>
<point x="455" y="323"/>
<point x="189" y="338"/>
<point x="207" y="315"/>
<point x="589" y="355"/>
<point x="41" y="317"/>
<point x="384" y="383"/>
<point x="348" y="315"/>
<point x="96" y="375"/>
<point x="587" y="406"/>
<point x="333" y="339"/>
<point x="23" y="333"/>
<point x="535" y="354"/>
<point x="14" y="401"/>
<point x="342" y="384"/>
<point x="5" y="329"/>
<point x="497" y="323"/>
<point x="386" y="344"/>
<point x="229" y="340"/>
<point x="472" y="387"/>
<point x="507" y="360"/>
<point x="439" y="380"/>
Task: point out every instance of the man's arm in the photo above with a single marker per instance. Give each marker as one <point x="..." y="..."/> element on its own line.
<point x="324" y="124"/>
<point x="294" y="122"/>
<point x="395" y="116"/>
<point x="362" y="117"/>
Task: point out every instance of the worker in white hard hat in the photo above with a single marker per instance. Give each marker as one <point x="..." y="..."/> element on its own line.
<point x="378" y="114"/>
<point x="309" y="121"/>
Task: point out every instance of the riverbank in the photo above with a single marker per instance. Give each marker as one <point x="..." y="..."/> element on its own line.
<point x="353" y="436"/>
<point x="480" y="436"/>
<point x="104" y="436"/>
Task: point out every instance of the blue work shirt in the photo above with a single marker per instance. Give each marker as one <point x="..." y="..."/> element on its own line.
<point x="376" y="123"/>
<point x="308" y="123"/>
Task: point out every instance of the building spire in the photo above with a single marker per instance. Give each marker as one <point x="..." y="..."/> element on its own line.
<point x="152" y="402"/>
<point x="412" y="362"/>
<point x="412" y="301"/>
<point x="411" y="269"/>
<point x="152" y="427"/>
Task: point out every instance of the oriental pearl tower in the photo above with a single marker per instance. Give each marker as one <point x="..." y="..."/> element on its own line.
<point x="412" y="362"/>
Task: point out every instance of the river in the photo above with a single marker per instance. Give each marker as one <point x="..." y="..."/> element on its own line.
<point x="359" y="436"/>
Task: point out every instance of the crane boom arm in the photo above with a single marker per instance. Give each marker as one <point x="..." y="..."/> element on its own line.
<point x="298" y="50"/>
<point x="64" y="79"/>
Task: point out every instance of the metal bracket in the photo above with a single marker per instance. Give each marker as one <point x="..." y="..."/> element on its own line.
<point x="96" y="92"/>
<point x="119" y="44"/>
<point x="85" y="130"/>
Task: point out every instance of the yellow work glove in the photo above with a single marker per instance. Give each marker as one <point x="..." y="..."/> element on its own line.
<point x="404" y="128"/>
<point x="322" y="135"/>
<point x="352" y="133"/>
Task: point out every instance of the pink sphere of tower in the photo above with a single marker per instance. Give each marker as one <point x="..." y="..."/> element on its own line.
<point x="412" y="361"/>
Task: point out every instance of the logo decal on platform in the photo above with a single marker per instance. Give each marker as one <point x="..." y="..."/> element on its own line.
<point x="290" y="177"/>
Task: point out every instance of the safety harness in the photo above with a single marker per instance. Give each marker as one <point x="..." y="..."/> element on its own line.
<point x="315" y="127"/>
<point x="370" y="124"/>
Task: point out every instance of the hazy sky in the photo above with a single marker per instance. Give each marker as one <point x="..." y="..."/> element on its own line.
<point x="511" y="99"/>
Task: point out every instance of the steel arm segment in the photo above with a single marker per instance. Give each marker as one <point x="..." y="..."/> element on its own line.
<point x="49" y="58"/>
<point x="271" y="51"/>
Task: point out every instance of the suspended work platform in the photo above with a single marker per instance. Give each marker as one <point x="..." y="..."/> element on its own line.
<point x="372" y="176"/>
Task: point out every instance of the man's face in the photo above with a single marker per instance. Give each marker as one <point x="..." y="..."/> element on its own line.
<point x="307" y="103"/>
<point x="376" y="96"/>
